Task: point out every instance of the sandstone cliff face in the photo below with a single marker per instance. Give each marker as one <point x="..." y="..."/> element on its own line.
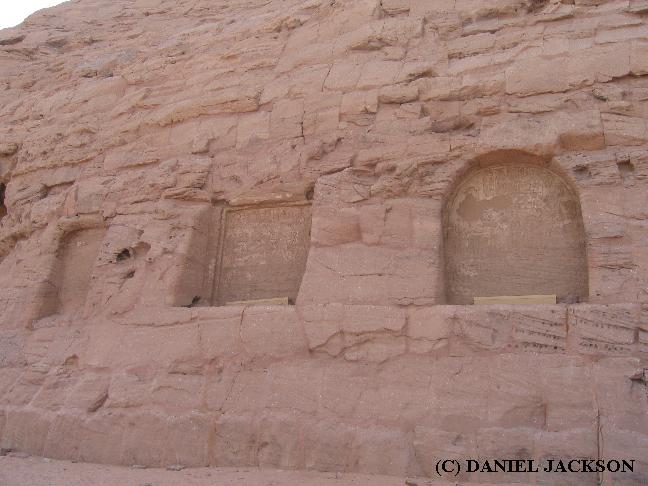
<point x="363" y="161"/>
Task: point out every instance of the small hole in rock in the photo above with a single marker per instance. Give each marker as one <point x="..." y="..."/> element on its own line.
<point x="626" y="170"/>
<point x="125" y="254"/>
<point x="535" y="5"/>
<point x="130" y="274"/>
<point x="310" y="194"/>
<point x="194" y="301"/>
<point x="581" y="172"/>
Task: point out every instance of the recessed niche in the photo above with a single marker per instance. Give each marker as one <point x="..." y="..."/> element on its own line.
<point x="514" y="230"/>
<point x="77" y="255"/>
<point x="263" y="254"/>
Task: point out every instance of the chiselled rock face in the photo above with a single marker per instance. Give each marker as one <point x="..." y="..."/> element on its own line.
<point x="77" y="255"/>
<point x="515" y="230"/>
<point x="250" y="232"/>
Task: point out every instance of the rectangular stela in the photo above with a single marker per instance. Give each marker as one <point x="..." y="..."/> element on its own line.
<point x="78" y="253"/>
<point x="263" y="253"/>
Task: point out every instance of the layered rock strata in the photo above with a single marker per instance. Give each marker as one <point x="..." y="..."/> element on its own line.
<point x="169" y="168"/>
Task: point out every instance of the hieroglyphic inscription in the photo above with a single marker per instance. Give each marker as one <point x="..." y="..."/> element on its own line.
<point x="264" y="253"/>
<point x="514" y="230"/>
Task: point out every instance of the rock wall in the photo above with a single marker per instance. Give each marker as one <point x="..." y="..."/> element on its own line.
<point x="132" y="133"/>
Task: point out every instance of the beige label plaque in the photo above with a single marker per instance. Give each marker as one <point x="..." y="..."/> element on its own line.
<point x="516" y="299"/>
<point x="263" y="253"/>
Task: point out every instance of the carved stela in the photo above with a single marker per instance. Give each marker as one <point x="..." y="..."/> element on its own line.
<point x="263" y="253"/>
<point x="514" y="230"/>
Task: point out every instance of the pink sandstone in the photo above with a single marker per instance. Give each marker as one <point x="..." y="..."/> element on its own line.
<point x="248" y="234"/>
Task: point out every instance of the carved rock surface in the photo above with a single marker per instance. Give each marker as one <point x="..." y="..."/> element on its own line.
<point x="143" y="321"/>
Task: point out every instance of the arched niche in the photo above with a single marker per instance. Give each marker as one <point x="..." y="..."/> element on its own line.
<point x="512" y="227"/>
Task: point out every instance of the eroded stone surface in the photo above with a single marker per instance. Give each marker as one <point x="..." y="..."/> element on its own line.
<point x="78" y="253"/>
<point x="153" y="120"/>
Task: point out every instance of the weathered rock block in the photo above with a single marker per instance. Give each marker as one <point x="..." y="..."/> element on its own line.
<point x="250" y="234"/>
